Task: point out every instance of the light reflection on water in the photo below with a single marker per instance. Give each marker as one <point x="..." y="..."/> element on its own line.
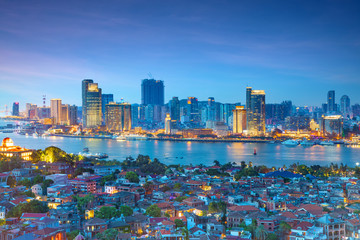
<point x="196" y="153"/>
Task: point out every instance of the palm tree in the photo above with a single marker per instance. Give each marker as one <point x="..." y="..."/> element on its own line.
<point x="260" y="233"/>
<point x="284" y="229"/>
<point x="185" y="233"/>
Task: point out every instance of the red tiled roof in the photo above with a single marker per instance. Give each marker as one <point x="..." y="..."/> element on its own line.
<point x="33" y="215"/>
<point x="247" y="208"/>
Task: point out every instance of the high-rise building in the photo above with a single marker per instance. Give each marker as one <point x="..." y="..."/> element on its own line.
<point x="152" y="92"/>
<point x="331" y="107"/>
<point x="43" y="112"/>
<point x="91" y="103"/>
<point x="248" y="105"/>
<point x="239" y="119"/>
<point x="255" y="119"/>
<point x="168" y="124"/>
<point x="345" y="105"/>
<point x="175" y="109"/>
<point x="65" y="114"/>
<point x="73" y="115"/>
<point x="15" y="109"/>
<point x="135" y="114"/>
<point x="193" y="109"/>
<point x="126" y="116"/>
<point x="56" y="110"/>
<point x="105" y="99"/>
<point x="118" y="116"/>
<point x="332" y="126"/>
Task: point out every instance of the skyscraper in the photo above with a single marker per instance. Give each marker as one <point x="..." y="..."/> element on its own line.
<point x="91" y="100"/>
<point x="193" y="109"/>
<point x="331" y="107"/>
<point x="73" y="115"/>
<point x="175" y="109"/>
<point x="239" y="119"/>
<point x="345" y="105"/>
<point x="105" y="99"/>
<point x="168" y="124"/>
<point x="152" y="92"/>
<point x="256" y="117"/>
<point x="15" y="109"/>
<point x="56" y="110"/>
<point x="247" y="104"/>
<point x="118" y="116"/>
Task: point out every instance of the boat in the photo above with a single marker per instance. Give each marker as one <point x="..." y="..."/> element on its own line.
<point x="254" y="151"/>
<point x="327" y="143"/>
<point x="135" y="137"/>
<point x="307" y="143"/>
<point x="120" y="138"/>
<point x="290" y="142"/>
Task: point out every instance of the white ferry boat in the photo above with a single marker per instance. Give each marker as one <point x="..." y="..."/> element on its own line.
<point x="290" y="142"/>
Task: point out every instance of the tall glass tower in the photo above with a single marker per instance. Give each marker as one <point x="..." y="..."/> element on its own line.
<point x="331" y="107"/>
<point x="91" y="103"/>
<point x="152" y="92"/>
<point x="255" y="101"/>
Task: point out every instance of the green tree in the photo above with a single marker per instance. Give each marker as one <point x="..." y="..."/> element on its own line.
<point x="126" y="210"/>
<point x="71" y="235"/>
<point x="33" y="206"/>
<point x="107" y="178"/>
<point x="185" y="233"/>
<point x="38" y="179"/>
<point x="260" y="233"/>
<point x="107" y="212"/>
<point x="83" y="202"/>
<point x="25" y="182"/>
<point x="272" y="236"/>
<point x="179" y="223"/>
<point x="180" y="198"/>
<point x="26" y="193"/>
<point x="108" y="234"/>
<point x="153" y="211"/>
<point x="11" y="182"/>
<point x="132" y="177"/>
<point x="177" y="185"/>
<point x="284" y="229"/>
<point x="246" y="172"/>
<point x="47" y="183"/>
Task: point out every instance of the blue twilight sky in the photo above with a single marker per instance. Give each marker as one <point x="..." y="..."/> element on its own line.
<point x="295" y="50"/>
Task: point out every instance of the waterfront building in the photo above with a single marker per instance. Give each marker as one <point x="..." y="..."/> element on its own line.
<point x="73" y="110"/>
<point x="118" y="116"/>
<point x="332" y="126"/>
<point x="134" y="115"/>
<point x="168" y="124"/>
<point x="355" y="110"/>
<point x="65" y="114"/>
<point x="15" y="109"/>
<point x="345" y="105"/>
<point x="152" y="92"/>
<point x="43" y="112"/>
<point x="175" y="109"/>
<point x="331" y="106"/>
<point x="56" y="110"/>
<point x="239" y="120"/>
<point x="226" y="112"/>
<point x="8" y="149"/>
<point x="91" y="103"/>
<point x="193" y="109"/>
<point x="105" y="99"/>
<point x="256" y="116"/>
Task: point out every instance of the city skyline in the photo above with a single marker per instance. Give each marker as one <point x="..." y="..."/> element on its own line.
<point x="290" y="50"/>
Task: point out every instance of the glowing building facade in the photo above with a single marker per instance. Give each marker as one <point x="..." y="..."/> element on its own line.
<point x="118" y="116"/>
<point x="56" y="110"/>
<point x="332" y="126"/>
<point x="8" y="149"/>
<point x="255" y="112"/>
<point x="239" y="120"/>
<point x="168" y="124"/>
<point x="91" y="103"/>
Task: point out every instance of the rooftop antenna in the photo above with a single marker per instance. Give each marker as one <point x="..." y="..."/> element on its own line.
<point x="150" y="75"/>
